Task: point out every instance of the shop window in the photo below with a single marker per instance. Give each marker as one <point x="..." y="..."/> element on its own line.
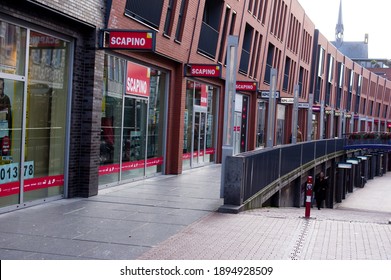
<point x="45" y="119"/>
<point x="200" y="120"/>
<point x="132" y="145"/>
<point x="12" y="49"/>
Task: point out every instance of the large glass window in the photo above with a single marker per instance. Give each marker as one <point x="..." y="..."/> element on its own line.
<point x="11" y="113"/>
<point x="33" y="155"/>
<point x="12" y="48"/>
<point x="46" y="116"/>
<point x="199" y="124"/>
<point x="111" y="121"/>
<point x="132" y="133"/>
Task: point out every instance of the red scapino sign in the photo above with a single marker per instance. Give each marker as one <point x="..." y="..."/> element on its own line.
<point x="138" y="79"/>
<point x="129" y="40"/>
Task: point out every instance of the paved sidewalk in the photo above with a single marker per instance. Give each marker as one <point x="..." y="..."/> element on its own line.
<point x="356" y="229"/>
<point x="120" y="223"/>
<point x="174" y="217"/>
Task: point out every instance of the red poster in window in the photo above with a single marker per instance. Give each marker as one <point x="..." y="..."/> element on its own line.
<point x="138" y="79"/>
<point x="204" y="96"/>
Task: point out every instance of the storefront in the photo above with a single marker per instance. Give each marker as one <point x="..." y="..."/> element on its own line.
<point x="261" y="124"/>
<point x="133" y="121"/>
<point x="34" y="111"/>
<point x="200" y="124"/>
<point x="242" y="105"/>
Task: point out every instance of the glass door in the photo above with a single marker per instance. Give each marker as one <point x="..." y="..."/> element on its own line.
<point x="134" y="138"/>
<point x="199" y="138"/>
<point x="11" y="113"/>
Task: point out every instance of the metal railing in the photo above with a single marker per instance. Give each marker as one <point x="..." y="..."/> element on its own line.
<point x="368" y="139"/>
<point x="248" y="173"/>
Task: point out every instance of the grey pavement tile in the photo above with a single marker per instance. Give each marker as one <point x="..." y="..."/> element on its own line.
<point x="126" y="200"/>
<point x="152" y="233"/>
<point x="166" y="218"/>
<point x="112" y="231"/>
<point x="198" y="204"/>
<point x="6" y="254"/>
<point x="107" y="251"/>
<point x="48" y="245"/>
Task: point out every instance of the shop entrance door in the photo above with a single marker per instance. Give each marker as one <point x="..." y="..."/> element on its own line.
<point x="134" y="138"/>
<point x="199" y="137"/>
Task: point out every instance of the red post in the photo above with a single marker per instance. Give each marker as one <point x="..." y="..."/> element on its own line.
<point x="308" y="197"/>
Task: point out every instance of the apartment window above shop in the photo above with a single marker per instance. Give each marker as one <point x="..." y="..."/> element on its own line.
<point x="145" y="11"/>
<point x="181" y="21"/>
<point x="340" y="84"/>
<point x="358" y="93"/>
<point x="321" y="61"/>
<point x="210" y="27"/>
<point x="331" y="69"/>
<point x="169" y="17"/>
<point x="277" y="27"/>
<point x="258" y="9"/>
<point x="286" y="74"/>
<point x="245" y="57"/>
<point x="269" y="63"/>
<point x="350" y="91"/>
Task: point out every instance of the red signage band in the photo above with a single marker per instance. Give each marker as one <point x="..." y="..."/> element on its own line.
<point x="138" y="79"/>
<point x="204" y="70"/>
<point x="130" y="40"/>
<point x="246" y="86"/>
<point x="204" y="96"/>
<point x="209" y="151"/>
<point x="115" y="168"/>
<point x="32" y="184"/>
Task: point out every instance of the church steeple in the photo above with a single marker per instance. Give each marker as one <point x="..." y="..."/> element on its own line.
<point x="339" y="27"/>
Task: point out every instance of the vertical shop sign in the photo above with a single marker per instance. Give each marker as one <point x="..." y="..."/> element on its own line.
<point x="204" y="96"/>
<point x="138" y="80"/>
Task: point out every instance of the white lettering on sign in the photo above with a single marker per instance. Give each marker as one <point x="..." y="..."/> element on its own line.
<point x="244" y="87"/>
<point x="127" y="41"/>
<point x="195" y="71"/>
<point x="136" y="86"/>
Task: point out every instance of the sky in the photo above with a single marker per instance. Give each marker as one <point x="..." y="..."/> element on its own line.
<point x="358" y="17"/>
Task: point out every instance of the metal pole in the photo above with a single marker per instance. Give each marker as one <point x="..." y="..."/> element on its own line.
<point x="295" y="112"/>
<point x="351" y="123"/>
<point x="271" y="108"/>
<point x="229" y="105"/>
<point x="322" y="119"/>
<point x="309" y="117"/>
<point x="332" y="123"/>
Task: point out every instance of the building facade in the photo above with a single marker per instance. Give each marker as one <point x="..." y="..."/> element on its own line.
<point x="107" y="92"/>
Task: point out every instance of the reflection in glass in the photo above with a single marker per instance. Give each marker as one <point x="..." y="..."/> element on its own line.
<point x="199" y="124"/>
<point x="11" y="105"/>
<point x="46" y="116"/>
<point x="12" y="48"/>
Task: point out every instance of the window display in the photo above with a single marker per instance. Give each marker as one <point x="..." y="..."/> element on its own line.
<point x="199" y="124"/>
<point x="40" y="163"/>
<point x="132" y="121"/>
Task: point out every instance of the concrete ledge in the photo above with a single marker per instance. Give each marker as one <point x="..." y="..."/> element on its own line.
<point x="230" y="209"/>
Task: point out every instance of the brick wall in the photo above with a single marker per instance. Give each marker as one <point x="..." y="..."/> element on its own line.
<point x="90" y="11"/>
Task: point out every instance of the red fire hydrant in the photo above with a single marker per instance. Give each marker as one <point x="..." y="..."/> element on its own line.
<point x="308" y="200"/>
